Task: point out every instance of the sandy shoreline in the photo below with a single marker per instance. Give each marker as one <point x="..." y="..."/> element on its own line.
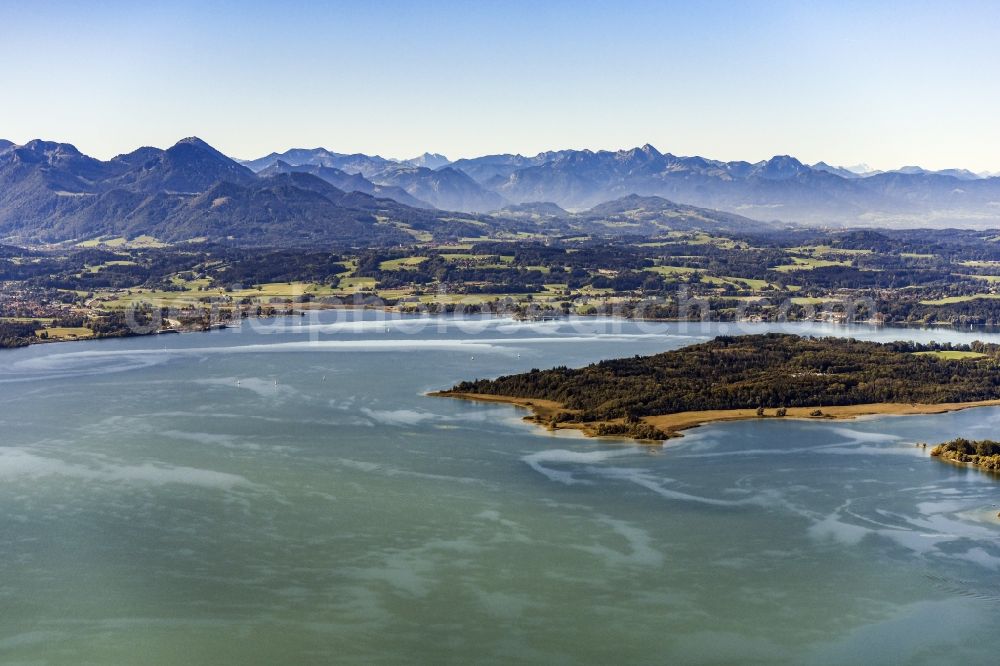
<point x="675" y="424"/>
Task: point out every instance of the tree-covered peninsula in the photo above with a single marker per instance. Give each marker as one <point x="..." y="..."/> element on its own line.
<point x="984" y="453"/>
<point x="773" y="375"/>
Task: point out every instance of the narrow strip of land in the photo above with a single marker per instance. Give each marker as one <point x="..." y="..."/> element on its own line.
<point x="544" y="411"/>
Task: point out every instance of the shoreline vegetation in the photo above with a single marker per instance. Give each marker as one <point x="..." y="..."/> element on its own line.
<point x="142" y="321"/>
<point x="984" y="454"/>
<point x="730" y="378"/>
<point x="20" y="332"/>
<point x="15" y="334"/>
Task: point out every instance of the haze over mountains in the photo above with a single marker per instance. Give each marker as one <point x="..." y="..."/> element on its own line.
<point x="863" y="170"/>
<point x="428" y="179"/>
<point x="782" y="188"/>
<point x="52" y="192"/>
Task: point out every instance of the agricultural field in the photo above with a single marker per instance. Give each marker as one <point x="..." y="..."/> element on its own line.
<point x="809" y="263"/>
<point x="950" y="300"/>
<point x="952" y="355"/>
<point x="65" y="333"/>
<point x="402" y="263"/>
<point x="820" y="251"/>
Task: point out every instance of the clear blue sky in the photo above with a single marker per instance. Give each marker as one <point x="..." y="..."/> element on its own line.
<point x="887" y="83"/>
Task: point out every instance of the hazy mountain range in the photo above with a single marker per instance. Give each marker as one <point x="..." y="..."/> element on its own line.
<point x="428" y="179"/>
<point x="781" y="188"/>
<point x="863" y="171"/>
<point x="52" y="192"/>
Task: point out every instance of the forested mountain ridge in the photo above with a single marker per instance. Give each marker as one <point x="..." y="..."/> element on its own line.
<point x="51" y="192"/>
<point x="653" y="214"/>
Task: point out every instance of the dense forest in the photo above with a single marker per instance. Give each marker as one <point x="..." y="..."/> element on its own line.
<point x="746" y="372"/>
<point x="17" y="334"/>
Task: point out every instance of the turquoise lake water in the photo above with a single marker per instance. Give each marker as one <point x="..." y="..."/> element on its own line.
<point x="285" y="493"/>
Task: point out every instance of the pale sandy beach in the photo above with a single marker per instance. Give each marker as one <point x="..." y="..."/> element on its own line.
<point x="674" y="424"/>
